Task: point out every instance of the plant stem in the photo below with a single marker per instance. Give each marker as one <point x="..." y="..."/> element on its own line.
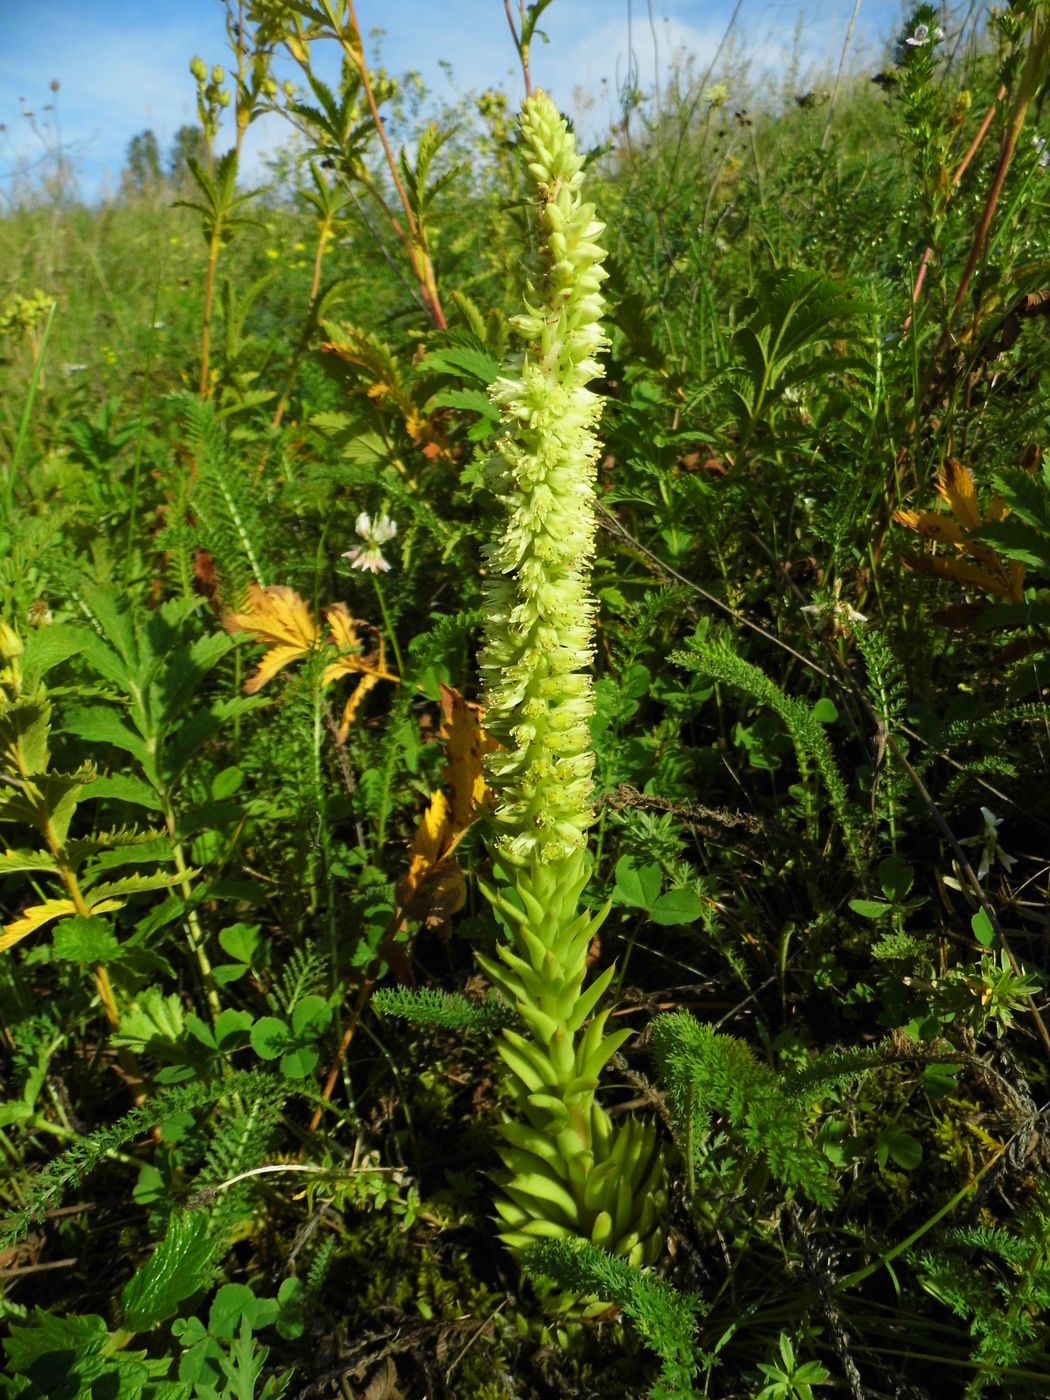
<point x="391" y="633"/>
<point x="214" y="247"/>
<point x="27" y="412"/>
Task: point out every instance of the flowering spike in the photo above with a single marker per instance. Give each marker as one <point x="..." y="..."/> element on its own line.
<point x="568" y="1172"/>
<point x="538" y="691"/>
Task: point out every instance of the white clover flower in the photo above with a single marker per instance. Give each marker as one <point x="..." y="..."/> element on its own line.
<point x="988" y="841"/>
<point x="835" y="608"/>
<point x="375" y="533"/>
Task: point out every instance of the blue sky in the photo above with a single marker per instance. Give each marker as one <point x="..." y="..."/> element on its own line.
<point x="123" y="64"/>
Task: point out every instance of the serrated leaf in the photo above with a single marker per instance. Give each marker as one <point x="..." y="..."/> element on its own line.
<point x="16" y="862"/>
<point x="176" y="1269"/>
<point x="125" y="848"/>
<point x="331" y="422"/>
<point x="136" y="884"/>
<point x="33" y="918"/>
<point x="48" y="647"/>
<point x="125" y="789"/>
<point x="24" y="728"/>
<point x="462" y="361"/>
<point x="100" y="725"/>
<point x="151" y="1018"/>
<point x="83" y="939"/>
<point x="473" y="400"/>
<point x="49" y="1335"/>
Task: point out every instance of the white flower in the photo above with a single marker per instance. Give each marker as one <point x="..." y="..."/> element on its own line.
<point x="988" y="841"/>
<point x="369" y="556"/>
<point x="924" y="35"/>
<point x="836" y="608"/>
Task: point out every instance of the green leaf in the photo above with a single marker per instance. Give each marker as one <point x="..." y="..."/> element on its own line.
<point x="270" y="1037"/>
<point x="982" y="929"/>
<point x="292" y="1300"/>
<point x="226" y="783"/>
<point x="895" y="877"/>
<point x="125" y="789"/>
<point x="52" y="1340"/>
<point x="85" y="940"/>
<point x="939" y="1080"/>
<point x="636" y="886"/>
<point x="177" y="1268"/>
<point x="231" y="1032"/>
<point x="233" y="1302"/>
<point x="311" y="1017"/>
<point x="824" y="712"/>
<point x="870" y="908"/>
<point x="100" y="725"/>
<point x="17" y="862"/>
<point x="894" y="1144"/>
<point x="152" y="1019"/>
<point x="678" y="906"/>
<point x="473" y="400"/>
<point x="300" y="1061"/>
<point x="240" y="941"/>
<point x="48" y="647"/>
<point x="24" y="729"/>
<point x="477" y="364"/>
<point x="137" y="884"/>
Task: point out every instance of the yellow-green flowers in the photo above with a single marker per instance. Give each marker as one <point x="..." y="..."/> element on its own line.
<point x="568" y="1173"/>
<point x="538" y="691"/>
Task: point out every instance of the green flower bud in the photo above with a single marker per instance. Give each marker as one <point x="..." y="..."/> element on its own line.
<point x="198" y="69"/>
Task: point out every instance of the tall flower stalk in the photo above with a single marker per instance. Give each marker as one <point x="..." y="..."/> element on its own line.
<point x="568" y="1172"/>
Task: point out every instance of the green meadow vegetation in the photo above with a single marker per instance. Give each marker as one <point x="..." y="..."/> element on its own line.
<point x="524" y="738"/>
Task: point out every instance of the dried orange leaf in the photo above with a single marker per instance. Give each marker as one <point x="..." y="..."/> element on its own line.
<point x="433" y="887"/>
<point x="466" y="744"/>
<point x="961" y="571"/>
<point x="428" y="846"/>
<point x="342" y="626"/>
<point x="955" y="486"/>
<point x="933" y="526"/>
<point x="370" y="669"/>
<point x="282" y="620"/>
